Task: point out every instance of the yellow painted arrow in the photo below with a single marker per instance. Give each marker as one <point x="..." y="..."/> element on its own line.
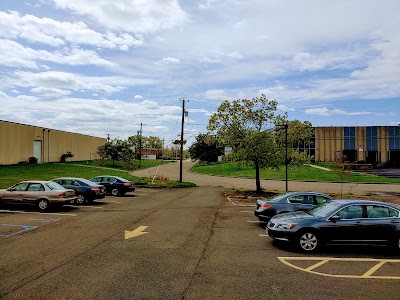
<point x="138" y="231"/>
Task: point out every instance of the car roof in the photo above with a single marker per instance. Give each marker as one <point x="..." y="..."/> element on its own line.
<point x="112" y="176"/>
<point x="363" y="202"/>
<point x="35" y="181"/>
<point x="71" y="178"/>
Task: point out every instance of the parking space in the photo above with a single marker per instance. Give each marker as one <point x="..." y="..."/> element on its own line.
<point x="21" y="219"/>
<point x="194" y="243"/>
<point x="364" y="264"/>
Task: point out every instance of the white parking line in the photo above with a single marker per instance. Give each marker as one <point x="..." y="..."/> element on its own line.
<point x="251" y="221"/>
<point x="243" y="205"/>
<point x="35" y="213"/>
<point x="263" y="235"/>
<point x="83" y="206"/>
<point x="246" y="211"/>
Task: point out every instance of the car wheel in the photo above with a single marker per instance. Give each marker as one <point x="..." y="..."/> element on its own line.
<point x="115" y="192"/>
<point x="80" y="199"/>
<point x="308" y="241"/>
<point x="43" y="204"/>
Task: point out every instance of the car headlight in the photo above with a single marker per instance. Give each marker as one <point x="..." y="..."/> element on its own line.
<point x="286" y="225"/>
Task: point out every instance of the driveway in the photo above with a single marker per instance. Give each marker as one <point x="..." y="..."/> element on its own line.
<point x="171" y="171"/>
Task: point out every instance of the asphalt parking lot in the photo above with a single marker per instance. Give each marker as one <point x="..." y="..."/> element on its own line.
<point x="175" y="244"/>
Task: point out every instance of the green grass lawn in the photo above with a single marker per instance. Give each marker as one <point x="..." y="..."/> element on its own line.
<point x="144" y="164"/>
<point x="305" y="173"/>
<point x="9" y="175"/>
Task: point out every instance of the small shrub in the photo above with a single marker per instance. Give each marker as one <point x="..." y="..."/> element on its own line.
<point x="66" y="155"/>
<point x="32" y="160"/>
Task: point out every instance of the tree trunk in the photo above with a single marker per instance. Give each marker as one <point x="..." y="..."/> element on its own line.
<point x="258" y="183"/>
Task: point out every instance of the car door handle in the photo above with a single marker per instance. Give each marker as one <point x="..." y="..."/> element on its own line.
<point x="395" y="221"/>
<point x="359" y="223"/>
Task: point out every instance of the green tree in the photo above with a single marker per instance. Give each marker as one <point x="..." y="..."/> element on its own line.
<point x="153" y="142"/>
<point x="206" y="148"/>
<point x="299" y="136"/>
<point x="247" y="125"/>
<point x="243" y="124"/>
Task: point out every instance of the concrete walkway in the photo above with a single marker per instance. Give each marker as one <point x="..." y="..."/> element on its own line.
<point x="171" y="171"/>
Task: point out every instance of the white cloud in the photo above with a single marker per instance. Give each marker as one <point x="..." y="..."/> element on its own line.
<point x="170" y="60"/>
<point x="216" y="95"/>
<point x="50" y="92"/>
<point x="14" y="54"/>
<point x="56" y="33"/>
<point x="129" y="15"/>
<point x="328" y="112"/>
<point x="138" y="97"/>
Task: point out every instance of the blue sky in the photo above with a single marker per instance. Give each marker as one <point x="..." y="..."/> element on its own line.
<point x="103" y="67"/>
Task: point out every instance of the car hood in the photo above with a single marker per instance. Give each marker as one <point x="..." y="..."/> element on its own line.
<point x="292" y="216"/>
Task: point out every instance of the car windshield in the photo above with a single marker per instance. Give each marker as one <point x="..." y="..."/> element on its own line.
<point x="54" y="186"/>
<point x="324" y="209"/>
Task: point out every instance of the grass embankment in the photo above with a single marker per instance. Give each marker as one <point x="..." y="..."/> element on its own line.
<point x="9" y="175"/>
<point x="306" y="173"/>
<point x="118" y="165"/>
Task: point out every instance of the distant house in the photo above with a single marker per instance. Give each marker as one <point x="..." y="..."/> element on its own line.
<point x="19" y="142"/>
<point x="149" y="153"/>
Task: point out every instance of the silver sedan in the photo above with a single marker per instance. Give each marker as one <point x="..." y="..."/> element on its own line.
<point x="41" y="193"/>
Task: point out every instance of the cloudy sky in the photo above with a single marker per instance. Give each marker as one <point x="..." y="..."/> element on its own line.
<point x="103" y="67"/>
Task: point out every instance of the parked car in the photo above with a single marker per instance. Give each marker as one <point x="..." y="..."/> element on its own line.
<point x="41" y="193"/>
<point x="117" y="186"/>
<point x="267" y="208"/>
<point x="85" y="190"/>
<point x="339" y="222"/>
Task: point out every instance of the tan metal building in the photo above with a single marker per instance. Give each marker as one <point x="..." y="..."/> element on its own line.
<point x="18" y="142"/>
<point x="369" y="144"/>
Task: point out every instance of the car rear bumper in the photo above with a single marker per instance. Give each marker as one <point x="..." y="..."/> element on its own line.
<point x="100" y="195"/>
<point x="261" y="217"/>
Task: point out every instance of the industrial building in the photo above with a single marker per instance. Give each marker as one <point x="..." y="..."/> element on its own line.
<point x="366" y="144"/>
<point x="19" y="142"/>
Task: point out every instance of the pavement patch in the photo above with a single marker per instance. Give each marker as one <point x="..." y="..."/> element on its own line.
<point x="11" y="229"/>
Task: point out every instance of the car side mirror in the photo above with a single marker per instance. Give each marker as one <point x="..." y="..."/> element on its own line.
<point x="335" y="218"/>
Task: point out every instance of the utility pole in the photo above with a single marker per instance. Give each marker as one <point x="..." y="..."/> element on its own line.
<point x="181" y="157"/>
<point x="286" y="152"/>
<point x="140" y="146"/>
<point x="286" y="159"/>
<point x="108" y="137"/>
<point x="162" y="152"/>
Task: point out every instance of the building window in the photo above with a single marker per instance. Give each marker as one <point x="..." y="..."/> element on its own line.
<point x="349" y="135"/>
<point x="372" y="138"/>
<point x="394" y="138"/>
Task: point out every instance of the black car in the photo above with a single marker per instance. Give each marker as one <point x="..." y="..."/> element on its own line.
<point x="289" y="202"/>
<point x="339" y="222"/>
<point x="85" y="190"/>
<point x="117" y="186"/>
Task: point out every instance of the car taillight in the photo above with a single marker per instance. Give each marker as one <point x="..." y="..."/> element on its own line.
<point x="62" y="195"/>
<point x="127" y="184"/>
<point x="265" y="205"/>
<point x="96" y="190"/>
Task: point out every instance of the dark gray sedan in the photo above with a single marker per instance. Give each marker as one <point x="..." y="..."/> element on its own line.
<point x="339" y="222"/>
<point x="267" y="208"/>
